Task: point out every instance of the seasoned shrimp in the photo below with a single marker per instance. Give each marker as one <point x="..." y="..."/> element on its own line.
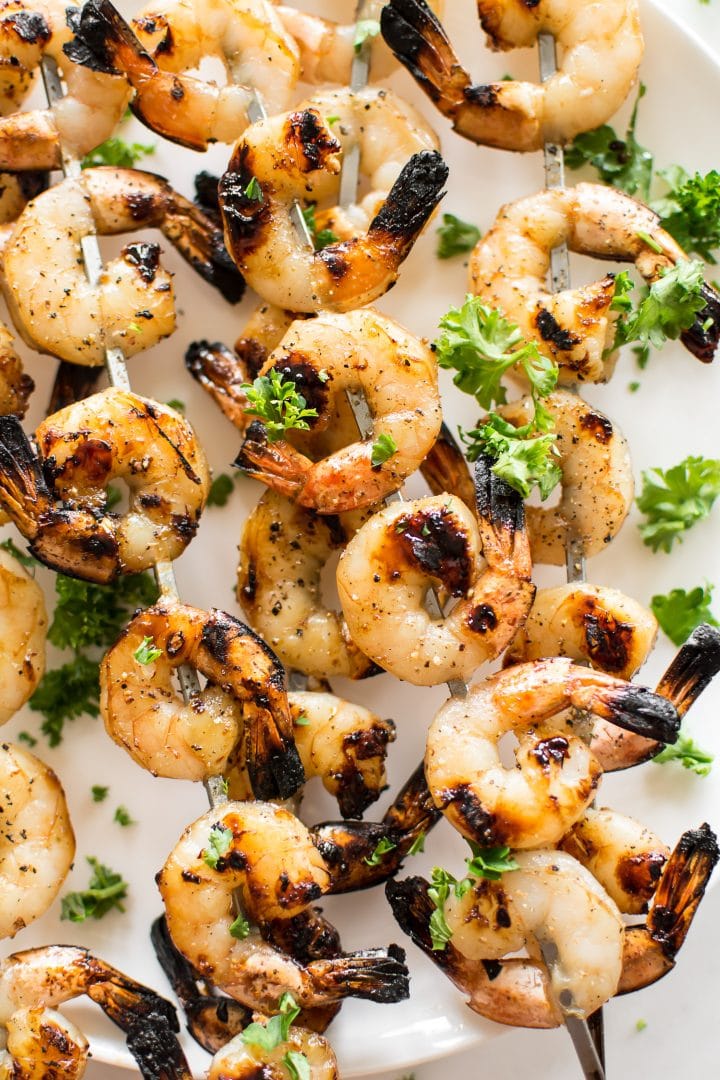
<point x="597" y="479"/>
<point x="325" y="357"/>
<point x="270" y="858"/>
<point x="576" y="327"/>
<point x="23" y="627"/>
<point x="247" y="1061"/>
<point x="244" y="701"/>
<point x="298" y="155"/>
<point x="34" y="981"/>
<point x="38" y="843"/>
<point x="87" y="114"/>
<point x="589" y="623"/>
<point x="600" y="53"/>
<point x="625" y="857"/>
<point x="556" y="775"/>
<point x="518" y="991"/>
<point x="53" y="305"/>
<point x="384" y="572"/>
<point x="58" y="499"/>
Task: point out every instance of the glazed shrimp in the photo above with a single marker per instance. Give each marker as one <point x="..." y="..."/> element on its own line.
<point x="38" y="843"/>
<point x="58" y="499"/>
<point x="23" y="628"/>
<point x="518" y="992"/>
<point x="57" y="310"/>
<point x="271" y="859"/>
<point x="599" y="60"/>
<point x="556" y="776"/>
<point x="589" y="623"/>
<point x="383" y="575"/>
<point x="298" y="155"/>
<point x="246" y="1061"/>
<point x="326" y="357"/>
<point x="243" y="703"/>
<point x="33" y="982"/>
<point x="87" y="114"/>
<point x="597" y="479"/>
<point x="576" y="327"/>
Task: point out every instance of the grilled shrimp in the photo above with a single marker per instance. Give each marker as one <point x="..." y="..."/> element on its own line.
<point x="41" y="1045"/>
<point x="597" y="479"/>
<point x="38" y="843"/>
<point x="23" y="627"/>
<point x="600" y="50"/>
<point x="171" y="37"/>
<point x="556" y="775"/>
<point x="244" y="701"/>
<point x="590" y="624"/>
<point x="53" y="305"/>
<point x="247" y="1061"/>
<point x="383" y="575"/>
<point x="518" y="991"/>
<point x="298" y="155"/>
<point x="58" y="499"/>
<point x="576" y="327"/>
<point x="87" y="114"/>
<point x="269" y="857"/>
<point x="325" y="357"/>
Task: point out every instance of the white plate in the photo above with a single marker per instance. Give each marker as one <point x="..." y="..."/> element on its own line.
<point x="674" y="414"/>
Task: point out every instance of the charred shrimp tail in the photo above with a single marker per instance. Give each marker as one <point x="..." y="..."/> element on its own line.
<point x="200" y="242"/>
<point x="416" y="193"/>
<point x="703" y="337"/>
<point x="693" y="669"/>
<point x="639" y="710"/>
<point x="417" y="39"/>
<point x="278" y="464"/>
<point x="445" y="469"/>
<point x="378" y="975"/>
<point x="306" y="937"/>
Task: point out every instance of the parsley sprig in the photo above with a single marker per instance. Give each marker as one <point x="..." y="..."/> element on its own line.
<point x="382" y="450"/>
<point x="623" y="163"/>
<point x="675" y="499"/>
<point x="688" y="754"/>
<point x="456" y="237"/>
<point x="666" y="308"/>
<point x="279" y="405"/>
<point x="679" y="612"/>
<point x="106" y="890"/>
<point x="485" y="863"/>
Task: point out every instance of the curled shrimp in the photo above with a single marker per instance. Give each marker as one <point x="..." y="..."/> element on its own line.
<point x="244" y="702"/>
<point x="57" y="310"/>
<point x="87" y="114"/>
<point x="519" y="991"/>
<point x="58" y="499"/>
<point x="600" y="52"/>
<point x="38" y="843"/>
<point x="383" y="576"/>
<point x="576" y="327"/>
<point x="246" y="1061"/>
<point x="23" y="628"/>
<point x="556" y="775"/>
<point x="597" y="480"/>
<point x="171" y="37"/>
<point x="44" y="1043"/>
<point x="326" y="357"/>
<point x="270" y="858"/>
<point x="298" y="155"/>
<point x="589" y="623"/>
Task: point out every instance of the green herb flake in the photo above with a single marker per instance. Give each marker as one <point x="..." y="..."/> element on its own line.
<point x="177" y="405"/>
<point x="690" y="210"/>
<point x="220" y="490"/>
<point x="95" y="615"/>
<point x="321" y="238"/>
<point x="679" y="612"/>
<point x="382" y="450"/>
<point x="365" y="31"/>
<point x="623" y="163"/>
<point x="302" y="720"/>
<point x="278" y="403"/>
<point x="271" y="1035"/>
<point x="240" y="928"/>
<point x="12" y="549"/>
<point x="633" y="387"/>
<point x="675" y="499"/>
<point x="66" y="693"/>
<point x="490" y="863"/>
<point x="297" y="1065"/>
<point x="688" y="754"/>
<point x="254" y="192"/>
<point x="456" y="237"/>
<point x="106" y="890"/>
<point x="438" y="893"/>
<point x="640" y="1025"/>
<point x="122" y="817"/>
<point x="219" y="842"/>
<point x="117" y="152"/>
<point x="418" y="844"/>
<point x="99" y="793"/>
<point x="27" y="738"/>
<point x="384" y="845"/>
<point x="523" y="460"/>
<point x="147" y="652"/>
<point x="668" y="307"/>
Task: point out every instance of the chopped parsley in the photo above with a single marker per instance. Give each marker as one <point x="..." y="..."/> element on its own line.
<point x="278" y="403"/>
<point x="122" y="817"/>
<point x="382" y="450"/>
<point x="254" y="191"/>
<point x="640" y="1025"/>
<point x="176" y="404"/>
<point x="679" y="612"/>
<point x="688" y="754"/>
<point x="321" y="238"/>
<point x="674" y="499"/>
<point x="302" y="720"/>
<point x="456" y="237"/>
<point x="99" y="794"/>
<point x="417" y="845"/>
<point x="65" y="693"/>
<point x="487" y="863"/>
<point x="382" y="848"/>
<point x="240" y="928"/>
<point x="522" y="458"/>
<point x="117" y="152"/>
<point x="106" y="890"/>
<point x="297" y="1065"/>
<point x="365" y="31"/>
<point x="219" y="842"/>
<point x="690" y="210"/>
<point x="27" y="738"/>
<point x="271" y="1035"/>
<point x="147" y="652"/>
<point x="220" y="490"/>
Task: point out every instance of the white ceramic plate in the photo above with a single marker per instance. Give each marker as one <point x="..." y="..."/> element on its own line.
<point x="673" y="414"/>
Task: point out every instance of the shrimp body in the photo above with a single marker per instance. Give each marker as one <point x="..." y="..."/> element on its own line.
<point x="54" y="306"/>
<point x="588" y="623"/>
<point x="383" y="575"/>
<point x="243" y="708"/>
<point x="600" y="53"/>
<point x="112" y="435"/>
<point x="298" y="155"/>
<point x="575" y="327"/>
<point x="23" y="627"/>
<point x="42" y="1045"/>
<point x="327" y="356"/>
<point x="38" y="844"/>
<point x="247" y="1061"/>
<point x="597" y="479"/>
<point x="556" y="776"/>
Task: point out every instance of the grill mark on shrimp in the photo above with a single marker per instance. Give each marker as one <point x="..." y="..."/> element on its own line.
<point x="439" y="546"/>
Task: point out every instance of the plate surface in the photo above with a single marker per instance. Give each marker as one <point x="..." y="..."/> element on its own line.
<point x="672" y="415"/>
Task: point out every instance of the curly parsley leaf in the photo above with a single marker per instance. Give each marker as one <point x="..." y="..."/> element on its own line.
<point x="115" y="151"/>
<point x="382" y="848"/>
<point x="679" y="612"/>
<point x="240" y="928"/>
<point x="275" y="1032"/>
<point x="321" y="238"/>
<point x="522" y="459"/>
<point x="382" y="450"/>
<point x="219" y="842"/>
<point x="666" y="308"/>
<point x="456" y="237"/>
<point x="106" y="890"/>
<point x="674" y="499"/>
<point x="87" y="614"/>
<point x="624" y="163"/>
<point x="65" y="693"/>
<point x="278" y="403"/>
<point x="690" y="210"/>
<point x="688" y="754"/>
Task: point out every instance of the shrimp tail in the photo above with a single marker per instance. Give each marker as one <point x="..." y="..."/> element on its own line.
<point x="211" y="1020"/>
<point x="445" y="469"/>
<point x="278" y="464"/>
<point x="413" y="908"/>
<point x="417" y="39"/>
<point x="22" y="483"/>
<point x="201" y="244"/>
<point x="73" y="382"/>
<point x="703" y="336"/>
<point x="501" y="514"/>
<point x="639" y="710"/>
<point x="222" y="373"/>
<point x="411" y="201"/>
<point x="378" y="975"/>
<point x="206" y="195"/>
<point x="413" y="812"/>
<point x="693" y="669"/>
<point x="306" y="937"/>
<point x="99" y="33"/>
